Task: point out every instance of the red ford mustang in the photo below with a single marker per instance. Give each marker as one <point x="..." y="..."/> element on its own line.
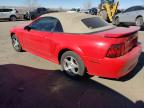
<point x="80" y="43"/>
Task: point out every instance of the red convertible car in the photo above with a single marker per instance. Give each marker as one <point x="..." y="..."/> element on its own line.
<point x="80" y="43"/>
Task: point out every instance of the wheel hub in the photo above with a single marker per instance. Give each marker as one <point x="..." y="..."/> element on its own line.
<point x="15" y="43"/>
<point x="71" y="65"/>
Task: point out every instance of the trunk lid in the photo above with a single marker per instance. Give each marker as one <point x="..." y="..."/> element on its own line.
<point x="119" y="32"/>
<point x="123" y="40"/>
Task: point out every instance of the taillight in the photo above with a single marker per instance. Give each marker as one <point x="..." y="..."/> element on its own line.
<point x="116" y="50"/>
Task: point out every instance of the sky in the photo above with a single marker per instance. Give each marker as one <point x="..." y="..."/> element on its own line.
<point x="68" y="3"/>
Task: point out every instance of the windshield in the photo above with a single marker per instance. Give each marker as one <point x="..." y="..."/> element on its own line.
<point x="95" y="22"/>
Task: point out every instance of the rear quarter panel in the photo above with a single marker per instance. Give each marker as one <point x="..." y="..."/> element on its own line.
<point x="91" y="46"/>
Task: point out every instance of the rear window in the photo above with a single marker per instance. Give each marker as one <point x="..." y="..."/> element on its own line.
<point x="94" y="22"/>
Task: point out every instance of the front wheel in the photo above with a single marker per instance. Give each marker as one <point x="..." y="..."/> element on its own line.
<point x="72" y="64"/>
<point x="139" y="21"/>
<point x="116" y="21"/>
<point x="16" y="44"/>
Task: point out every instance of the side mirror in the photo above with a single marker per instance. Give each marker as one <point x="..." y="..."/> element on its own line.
<point x="28" y="28"/>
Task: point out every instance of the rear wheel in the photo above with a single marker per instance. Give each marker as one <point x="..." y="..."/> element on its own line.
<point x="13" y="18"/>
<point x="139" y="21"/>
<point x="72" y="64"/>
<point x="16" y="44"/>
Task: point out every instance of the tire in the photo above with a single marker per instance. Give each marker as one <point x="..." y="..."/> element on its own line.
<point x="13" y="18"/>
<point x="104" y="15"/>
<point x="72" y="64"/>
<point x="139" y="21"/>
<point x="16" y="44"/>
<point x="116" y="21"/>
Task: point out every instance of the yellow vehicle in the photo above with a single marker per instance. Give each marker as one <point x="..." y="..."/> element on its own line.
<point x="108" y="9"/>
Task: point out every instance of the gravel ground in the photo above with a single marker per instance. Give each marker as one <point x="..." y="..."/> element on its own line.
<point x="27" y="81"/>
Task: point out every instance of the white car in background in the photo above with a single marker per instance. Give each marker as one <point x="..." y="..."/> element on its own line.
<point x="133" y="15"/>
<point x="71" y="11"/>
<point x="9" y="13"/>
<point x="84" y="11"/>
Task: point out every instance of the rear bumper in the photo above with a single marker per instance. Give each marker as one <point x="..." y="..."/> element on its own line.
<point x="114" y="67"/>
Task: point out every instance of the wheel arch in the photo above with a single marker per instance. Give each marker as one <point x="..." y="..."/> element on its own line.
<point x="76" y="50"/>
<point x="19" y="39"/>
<point x="12" y="33"/>
<point x="61" y="52"/>
<point x="115" y="17"/>
<point x="139" y="16"/>
<point x="12" y="15"/>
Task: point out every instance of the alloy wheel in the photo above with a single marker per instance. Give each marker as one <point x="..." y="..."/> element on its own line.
<point x="71" y="65"/>
<point x="15" y="43"/>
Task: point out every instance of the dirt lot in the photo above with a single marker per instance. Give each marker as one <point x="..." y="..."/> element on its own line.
<point x="27" y="81"/>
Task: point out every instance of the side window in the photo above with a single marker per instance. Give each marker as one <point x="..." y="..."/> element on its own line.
<point x="48" y="24"/>
<point x="1" y="10"/>
<point x="142" y="8"/>
<point x="7" y="10"/>
<point x="130" y="9"/>
<point x="41" y="9"/>
<point x="4" y="10"/>
<point x="139" y="8"/>
<point x="58" y="27"/>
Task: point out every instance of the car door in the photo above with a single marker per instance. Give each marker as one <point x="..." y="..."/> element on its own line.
<point x="127" y="15"/>
<point x="38" y="39"/>
<point x="1" y="13"/>
<point x="6" y="13"/>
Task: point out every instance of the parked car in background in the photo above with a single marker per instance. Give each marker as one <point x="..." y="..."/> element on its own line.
<point x="78" y="9"/>
<point x="80" y="43"/>
<point x="133" y="15"/>
<point x="84" y="11"/>
<point x="9" y="13"/>
<point x="93" y="11"/>
<point x="35" y="13"/>
<point x="73" y="10"/>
